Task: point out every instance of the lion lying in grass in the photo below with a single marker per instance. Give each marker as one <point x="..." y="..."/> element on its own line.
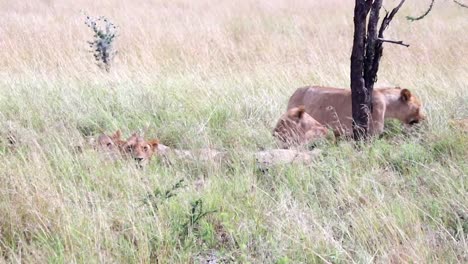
<point x="142" y="151"/>
<point x="296" y="128"/>
<point x="110" y="143"/>
<point x="135" y="147"/>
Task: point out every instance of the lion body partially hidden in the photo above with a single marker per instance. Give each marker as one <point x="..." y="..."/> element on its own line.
<point x="332" y="107"/>
<point x="296" y="128"/>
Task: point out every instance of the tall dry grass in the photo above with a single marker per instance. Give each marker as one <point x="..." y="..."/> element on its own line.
<point x="218" y="74"/>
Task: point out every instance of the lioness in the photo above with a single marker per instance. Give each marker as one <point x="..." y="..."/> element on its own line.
<point x="139" y="149"/>
<point x="332" y="107"/>
<point x="296" y="127"/>
<point x="110" y="143"/>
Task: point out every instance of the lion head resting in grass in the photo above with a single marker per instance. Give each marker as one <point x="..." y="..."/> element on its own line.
<point x="296" y="127"/>
<point x="332" y="107"/>
<point x="139" y="149"/>
<point x="110" y="143"/>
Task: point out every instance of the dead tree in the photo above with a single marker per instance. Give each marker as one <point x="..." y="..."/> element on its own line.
<point x="366" y="55"/>
<point x="365" y="58"/>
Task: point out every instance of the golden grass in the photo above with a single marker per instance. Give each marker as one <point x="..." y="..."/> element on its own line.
<point x="219" y="73"/>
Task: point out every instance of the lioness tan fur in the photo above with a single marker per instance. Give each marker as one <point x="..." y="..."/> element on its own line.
<point x="332" y="107"/>
<point x="139" y="149"/>
<point x="110" y="143"/>
<point x="296" y="128"/>
<point x="274" y="157"/>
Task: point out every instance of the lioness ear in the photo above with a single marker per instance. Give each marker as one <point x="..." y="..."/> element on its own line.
<point x="153" y="143"/>
<point x="116" y="135"/>
<point x="405" y="95"/>
<point x="300" y="111"/>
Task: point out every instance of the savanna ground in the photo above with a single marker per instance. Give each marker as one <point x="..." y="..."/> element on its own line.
<point x="218" y="74"/>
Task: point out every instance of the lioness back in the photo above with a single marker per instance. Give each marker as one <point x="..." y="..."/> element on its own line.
<point x="297" y="98"/>
<point x="332" y="107"/>
<point x="329" y="106"/>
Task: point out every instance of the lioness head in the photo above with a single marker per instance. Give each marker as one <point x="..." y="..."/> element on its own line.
<point x="296" y="127"/>
<point x="139" y="149"/>
<point x="109" y="143"/>
<point x="410" y="108"/>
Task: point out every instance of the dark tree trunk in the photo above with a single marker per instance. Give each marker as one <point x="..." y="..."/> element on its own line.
<point x="358" y="89"/>
<point x="365" y="59"/>
<point x="372" y="54"/>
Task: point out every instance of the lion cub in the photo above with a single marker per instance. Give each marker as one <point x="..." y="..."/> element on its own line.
<point x="296" y="128"/>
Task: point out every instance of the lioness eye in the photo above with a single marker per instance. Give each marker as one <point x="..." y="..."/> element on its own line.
<point x="129" y="148"/>
<point x="109" y="144"/>
<point x="145" y="148"/>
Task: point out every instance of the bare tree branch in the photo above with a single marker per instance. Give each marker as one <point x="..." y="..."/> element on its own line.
<point x="378" y="45"/>
<point x="460" y="4"/>
<point x="388" y="17"/>
<point x="395" y="10"/>
<point x="410" y="18"/>
<point x="399" y="42"/>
